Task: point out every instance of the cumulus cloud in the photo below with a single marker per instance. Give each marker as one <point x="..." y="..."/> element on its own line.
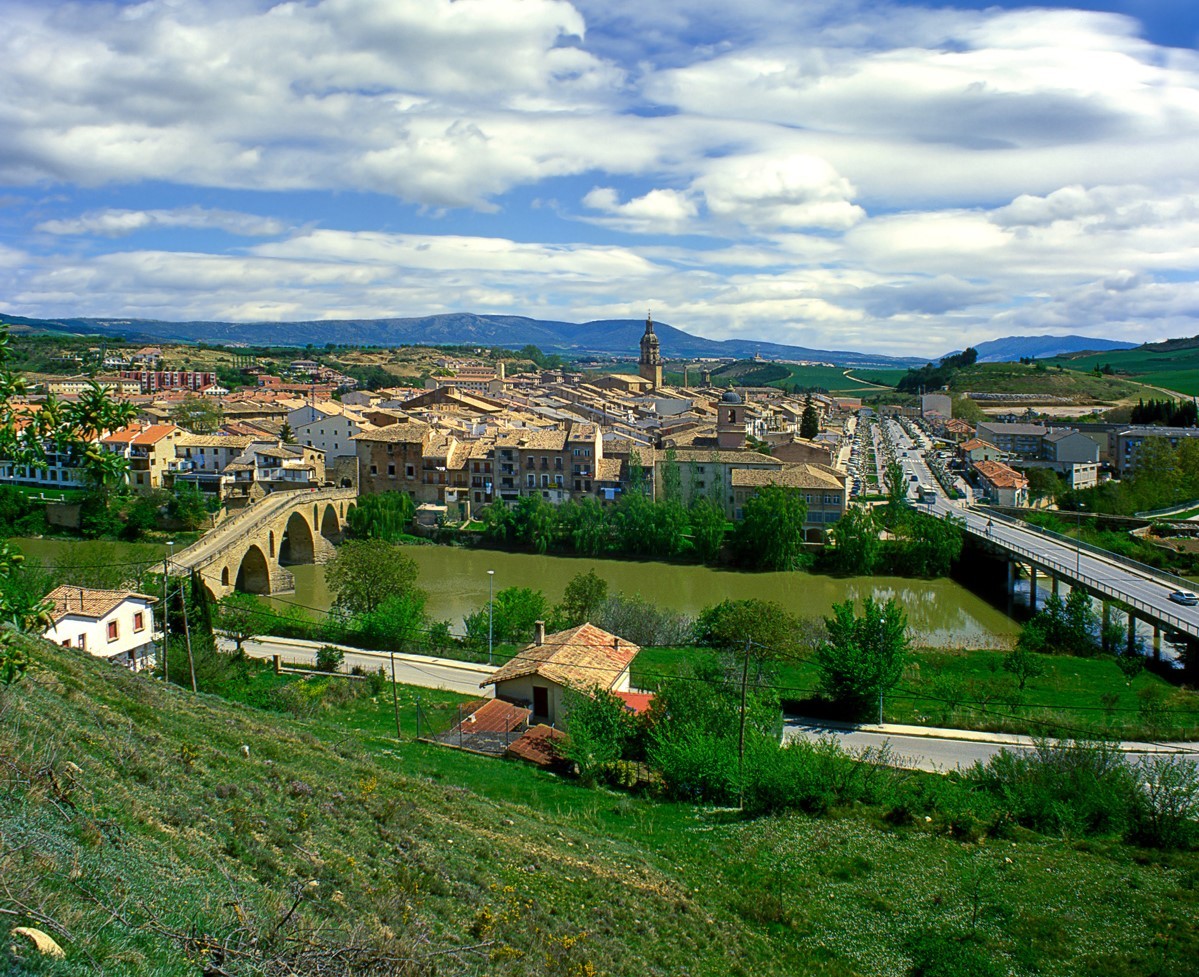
<point x="656" y="212"/>
<point x="119" y="223"/>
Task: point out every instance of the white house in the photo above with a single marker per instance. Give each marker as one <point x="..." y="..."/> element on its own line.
<point x="581" y="658"/>
<point x="113" y="624"/>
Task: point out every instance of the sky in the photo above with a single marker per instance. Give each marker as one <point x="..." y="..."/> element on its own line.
<point x="848" y="174"/>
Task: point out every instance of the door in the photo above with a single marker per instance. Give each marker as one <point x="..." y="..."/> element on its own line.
<point x="541" y="702"/>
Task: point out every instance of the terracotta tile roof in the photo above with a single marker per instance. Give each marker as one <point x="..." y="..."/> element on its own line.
<point x="975" y="443"/>
<point x="580" y="658"/>
<point x="236" y="442"/>
<point x="700" y="455"/>
<point x="607" y="470"/>
<point x="636" y="702"/>
<point x="539" y="745"/>
<point x="407" y="431"/>
<point x="789" y="476"/>
<point x="495" y="716"/>
<point x="85" y="602"/>
<point x="1000" y="475"/>
<point x="155" y="433"/>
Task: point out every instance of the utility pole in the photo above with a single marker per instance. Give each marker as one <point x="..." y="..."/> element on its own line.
<point x="741" y="732"/>
<point x="395" y="701"/>
<point x="166" y="612"/>
<point x="187" y="634"/>
<point x="490" y="611"/>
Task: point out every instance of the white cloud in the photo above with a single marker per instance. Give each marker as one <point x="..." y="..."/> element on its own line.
<point x="656" y="212"/>
<point x="119" y="223"/>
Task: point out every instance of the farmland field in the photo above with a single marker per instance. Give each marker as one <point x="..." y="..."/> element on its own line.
<point x="1173" y="369"/>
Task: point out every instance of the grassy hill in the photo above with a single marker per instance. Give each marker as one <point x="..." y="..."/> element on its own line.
<point x="1172" y="365"/>
<point x="151" y="831"/>
<point x="1018" y="378"/>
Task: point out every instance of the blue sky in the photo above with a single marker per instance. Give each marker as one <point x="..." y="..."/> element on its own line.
<point x="890" y="177"/>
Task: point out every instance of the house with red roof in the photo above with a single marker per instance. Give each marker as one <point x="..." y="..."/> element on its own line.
<point x="114" y="624"/>
<point x="583" y="658"/>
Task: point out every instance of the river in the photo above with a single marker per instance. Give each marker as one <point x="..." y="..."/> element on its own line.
<point x="941" y="613"/>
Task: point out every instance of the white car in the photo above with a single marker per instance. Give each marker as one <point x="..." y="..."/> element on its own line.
<point x="1184" y="597"/>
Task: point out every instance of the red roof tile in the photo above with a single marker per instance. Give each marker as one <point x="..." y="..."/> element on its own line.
<point x="539" y="745"/>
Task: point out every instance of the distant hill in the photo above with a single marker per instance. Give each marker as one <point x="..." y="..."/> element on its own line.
<point x="1010" y="349"/>
<point x="605" y="337"/>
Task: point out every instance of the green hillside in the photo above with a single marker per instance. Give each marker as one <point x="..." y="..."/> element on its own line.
<point x="151" y="831"/>
<point x="1036" y="380"/>
<point x="1173" y="365"/>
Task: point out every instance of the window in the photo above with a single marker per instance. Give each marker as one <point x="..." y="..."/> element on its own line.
<point x="410" y="471"/>
<point x="113" y="631"/>
<point x="66" y="642"/>
<point x="532" y="480"/>
<point x="139" y="621"/>
<point x="81" y="641"/>
<point x="374" y="470"/>
<point x="391" y="471"/>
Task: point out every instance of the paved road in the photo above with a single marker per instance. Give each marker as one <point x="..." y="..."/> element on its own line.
<point x="935" y="754"/>
<point x="418" y="670"/>
<point x="1147" y="591"/>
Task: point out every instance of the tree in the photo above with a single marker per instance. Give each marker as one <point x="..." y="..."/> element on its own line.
<point x="708" y="528"/>
<point x="856" y="546"/>
<point x="771" y="532"/>
<point x="329" y="658"/>
<point x="1043" y="483"/>
<point x="863" y="656"/>
<point x="809" y="421"/>
<point x="930" y="545"/>
<point x="240" y="616"/>
<point x="585" y="522"/>
<point x="383" y="515"/>
<point x="286" y="434"/>
<point x="200" y="415"/>
<point x="187" y="506"/>
<point x="598" y="726"/>
<point x="536" y="522"/>
<point x="365" y="572"/>
<point x="516" y="610"/>
<point x="896" y="484"/>
<point x="397" y="622"/>
<point x="1023" y="664"/>
<point x="584" y="596"/>
<point x="771" y="632"/>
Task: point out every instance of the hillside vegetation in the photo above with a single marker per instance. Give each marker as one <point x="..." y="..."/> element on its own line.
<point x="1173" y="365"/>
<point x="1032" y="379"/>
<point x="152" y="831"/>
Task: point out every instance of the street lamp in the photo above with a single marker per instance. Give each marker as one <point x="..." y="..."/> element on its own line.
<point x="490" y="611"/>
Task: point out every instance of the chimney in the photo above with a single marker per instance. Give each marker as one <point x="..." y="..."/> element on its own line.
<point x="539" y="633"/>
<point x="615" y="643"/>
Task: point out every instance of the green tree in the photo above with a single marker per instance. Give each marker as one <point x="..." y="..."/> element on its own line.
<point x="365" y="572"/>
<point x="286" y="434"/>
<point x="708" y="528"/>
<point x="770" y="535"/>
<point x="584" y="596"/>
<point x="586" y="524"/>
<point x="383" y="515"/>
<point x="896" y="485"/>
<point x="396" y="623"/>
<point x="598" y="726"/>
<point x="864" y="656"/>
<point x="773" y="635"/>
<point x="200" y="415"/>
<point x="929" y="546"/>
<point x="329" y="658"/>
<point x="809" y="421"/>
<point x="241" y="617"/>
<point x="856" y="545"/>
<point x="1023" y="664"/>
<point x="1043" y="483"/>
<point x="187" y="506"/>
<point x="517" y="609"/>
<point x="536" y="523"/>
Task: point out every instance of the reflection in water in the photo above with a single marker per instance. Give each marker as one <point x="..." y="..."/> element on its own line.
<point x="941" y="613"/>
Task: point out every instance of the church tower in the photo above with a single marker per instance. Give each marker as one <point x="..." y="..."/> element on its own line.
<point x="650" y="364"/>
<point x="730" y="421"/>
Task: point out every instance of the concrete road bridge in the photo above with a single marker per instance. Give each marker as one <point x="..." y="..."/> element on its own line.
<point x="1139" y="593"/>
<point x="251" y="550"/>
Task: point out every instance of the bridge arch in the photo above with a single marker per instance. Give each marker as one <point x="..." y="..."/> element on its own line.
<point x="331" y="527"/>
<point x="297" y="544"/>
<point x="254" y="575"/>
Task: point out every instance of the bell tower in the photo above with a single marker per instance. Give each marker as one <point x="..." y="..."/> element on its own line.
<point x="649" y="366"/>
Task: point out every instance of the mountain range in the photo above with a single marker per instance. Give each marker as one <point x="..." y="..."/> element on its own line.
<point x="1011" y="348"/>
<point x="601" y="337"/>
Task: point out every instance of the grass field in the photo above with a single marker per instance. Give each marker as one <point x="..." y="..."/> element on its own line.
<point x="145" y="828"/>
<point x="1174" y="369"/>
<point x="970" y="690"/>
<point x="1018" y="378"/>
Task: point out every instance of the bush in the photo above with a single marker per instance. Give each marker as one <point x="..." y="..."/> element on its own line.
<point x="643" y="622"/>
<point x="1068" y="788"/>
<point x="944" y="953"/>
<point x="329" y="658"/>
<point x="1166" y="806"/>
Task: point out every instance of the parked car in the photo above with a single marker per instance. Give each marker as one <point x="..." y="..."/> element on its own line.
<point x="1184" y="597"/>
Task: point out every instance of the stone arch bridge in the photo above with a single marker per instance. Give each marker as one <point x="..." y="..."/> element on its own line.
<point x="251" y="550"/>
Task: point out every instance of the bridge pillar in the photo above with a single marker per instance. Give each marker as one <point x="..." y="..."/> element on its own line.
<point x="1157" y="642"/>
<point x="1054" y="583"/>
<point x="1011" y="577"/>
<point x="1132" y="633"/>
<point x="1032" y="587"/>
<point x="1105" y="627"/>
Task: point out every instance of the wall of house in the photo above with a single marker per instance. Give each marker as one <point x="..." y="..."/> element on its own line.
<point x="91" y="634"/>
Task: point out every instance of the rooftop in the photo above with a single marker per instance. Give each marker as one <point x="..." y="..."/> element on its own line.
<point x="581" y="658"/>
<point x="86" y="602"/>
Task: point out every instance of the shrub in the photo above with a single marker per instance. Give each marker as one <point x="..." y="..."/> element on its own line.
<point x="945" y="953"/>
<point x="1165" y="809"/>
<point x="329" y="658"/>
<point x="643" y="622"/>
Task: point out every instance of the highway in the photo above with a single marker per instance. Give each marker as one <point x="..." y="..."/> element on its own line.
<point x="1144" y="589"/>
